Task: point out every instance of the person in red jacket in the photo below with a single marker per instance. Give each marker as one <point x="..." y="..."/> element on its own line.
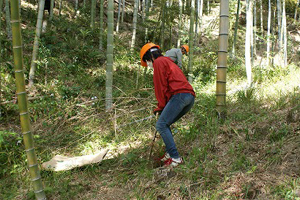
<point x="174" y="94"/>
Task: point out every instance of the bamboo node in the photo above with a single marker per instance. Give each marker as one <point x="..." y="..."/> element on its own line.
<point x="32" y="165"/>
<point x="39" y="191"/>
<point x="27" y="150"/>
<point x="21" y="93"/>
<point x="19" y="71"/>
<point x="35" y="179"/>
<point x="24" y="113"/>
<point x="15" y="21"/>
<point x="17" y="47"/>
<point x="26" y="132"/>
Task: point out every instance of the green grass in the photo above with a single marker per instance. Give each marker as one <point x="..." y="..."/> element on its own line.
<point x="253" y="154"/>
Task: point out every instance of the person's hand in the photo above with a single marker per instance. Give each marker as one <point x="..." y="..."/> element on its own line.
<point x="157" y="112"/>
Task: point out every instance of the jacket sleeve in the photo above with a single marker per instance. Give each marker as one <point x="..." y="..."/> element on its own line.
<point x="160" y="85"/>
<point x="179" y="59"/>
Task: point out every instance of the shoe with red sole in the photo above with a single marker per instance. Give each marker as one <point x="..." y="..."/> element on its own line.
<point x="173" y="162"/>
<point x="165" y="157"/>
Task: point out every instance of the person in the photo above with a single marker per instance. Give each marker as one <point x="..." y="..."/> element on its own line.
<point x="174" y="94"/>
<point x="176" y="54"/>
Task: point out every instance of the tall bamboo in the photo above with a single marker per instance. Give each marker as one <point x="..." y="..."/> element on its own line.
<point x="284" y="33"/>
<point x="101" y="25"/>
<point x="249" y="31"/>
<point x="146" y="19"/>
<point x="222" y="59"/>
<point x="191" y="42"/>
<point x="236" y="26"/>
<point x="123" y="11"/>
<point x="254" y="30"/>
<point x="261" y="18"/>
<point x="93" y="13"/>
<point x="109" y="54"/>
<point x="179" y="23"/>
<point x="7" y="16"/>
<point x="279" y="20"/>
<point x="135" y="11"/>
<point x="1" y="4"/>
<point x="23" y="103"/>
<point x="296" y="9"/>
<point x="60" y="7"/>
<point x="119" y="16"/>
<point x="269" y="33"/>
<point x="162" y="26"/>
<point x="51" y="9"/>
<point x="36" y="41"/>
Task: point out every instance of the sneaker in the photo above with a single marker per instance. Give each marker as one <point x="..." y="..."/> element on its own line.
<point x="173" y="162"/>
<point x="165" y="157"/>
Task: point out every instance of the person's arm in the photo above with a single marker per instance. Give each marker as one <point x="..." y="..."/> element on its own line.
<point x="160" y="85"/>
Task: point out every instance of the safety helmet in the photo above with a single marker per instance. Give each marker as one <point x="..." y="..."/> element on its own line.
<point x="186" y="47"/>
<point x="144" y="49"/>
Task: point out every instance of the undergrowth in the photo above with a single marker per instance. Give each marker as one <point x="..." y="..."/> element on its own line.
<point x="254" y="154"/>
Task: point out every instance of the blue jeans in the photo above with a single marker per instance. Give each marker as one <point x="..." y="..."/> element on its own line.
<point x="177" y="106"/>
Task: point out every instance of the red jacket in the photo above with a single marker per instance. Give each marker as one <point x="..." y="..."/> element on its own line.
<point x="168" y="80"/>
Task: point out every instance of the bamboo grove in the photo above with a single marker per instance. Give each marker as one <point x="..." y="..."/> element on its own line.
<point x="265" y="24"/>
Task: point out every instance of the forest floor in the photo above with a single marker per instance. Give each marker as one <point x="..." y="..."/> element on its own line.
<point x="253" y="154"/>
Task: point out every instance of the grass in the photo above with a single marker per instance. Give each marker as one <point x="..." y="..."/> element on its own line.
<point x="254" y="154"/>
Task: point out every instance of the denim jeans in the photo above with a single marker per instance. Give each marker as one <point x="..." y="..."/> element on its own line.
<point x="177" y="106"/>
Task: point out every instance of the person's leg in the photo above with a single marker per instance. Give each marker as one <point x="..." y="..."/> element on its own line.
<point x="178" y="105"/>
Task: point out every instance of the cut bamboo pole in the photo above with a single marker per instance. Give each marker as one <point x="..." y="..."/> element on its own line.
<point x="23" y="103"/>
<point x="222" y="59"/>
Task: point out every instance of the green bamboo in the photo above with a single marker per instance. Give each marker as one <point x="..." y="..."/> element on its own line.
<point x="162" y="28"/>
<point x="296" y="9"/>
<point x="101" y="25"/>
<point x="222" y="59"/>
<point x="93" y="12"/>
<point x="51" y="10"/>
<point x="23" y="103"/>
<point x="135" y="11"/>
<point x="109" y="54"/>
<point x="191" y="41"/>
<point x="146" y="20"/>
<point x="119" y="16"/>
<point x="123" y="11"/>
<point x="179" y="23"/>
<point x="236" y="27"/>
<point x="1" y="4"/>
<point x="7" y="16"/>
<point x="249" y="33"/>
<point x="36" y="42"/>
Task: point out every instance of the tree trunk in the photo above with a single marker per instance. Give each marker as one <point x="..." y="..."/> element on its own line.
<point x="261" y="18"/>
<point x="123" y="11"/>
<point x="191" y="42"/>
<point x="1" y="4"/>
<point x="146" y="19"/>
<point x="60" y="7"/>
<point x="119" y="16"/>
<point x="284" y="33"/>
<point x="269" y="34"/>
<point x="109" y="54"/>
<point x="23" y="103"/>
<point x="179" y="23"/>
<point x="7" y="16"/>
<point x="36" y="41"/>
<point x="101" y="25"/>
<point x="295" y="17"/>
<point x="93" y="12"/>
<point x="249" y="22"/>
<point x="135" y="11"/>
<point x="254" y="31"/>
<point x="279" y="12"/>
<point x="51" y="10"/>
<point x="162" y="28"/>
<point x="236" y="27"/>
<point x="222" y="59"/>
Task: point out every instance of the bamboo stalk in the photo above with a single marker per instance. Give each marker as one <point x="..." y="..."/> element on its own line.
<point x="36" y="42"/>
<point x="101" y="25"/>
<point x="23" y="103"/>
<point x="7" y="16"/>
<point x="222" y="59"/>
<point x="135" y="11"/>
<point x="109" y="54"/>
<point x="191" y="42"/>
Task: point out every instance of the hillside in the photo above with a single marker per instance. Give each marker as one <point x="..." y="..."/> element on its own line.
<point x="253" y="154"/>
